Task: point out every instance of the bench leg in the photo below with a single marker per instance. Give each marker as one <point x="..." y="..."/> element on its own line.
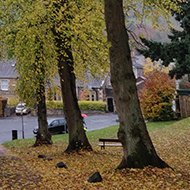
<point x="103" y="147"/>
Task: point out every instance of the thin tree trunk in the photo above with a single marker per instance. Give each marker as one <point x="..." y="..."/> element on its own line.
<point x="77" y="135"/>
<point x="138" y="150"/>
<point x="43" y="135"/>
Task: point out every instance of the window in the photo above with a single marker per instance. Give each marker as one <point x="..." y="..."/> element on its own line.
<point x="92" y="97"/>
<point x="4" y="84"/>
<point x="62" y="122"/>
<point x="56" y="122"/>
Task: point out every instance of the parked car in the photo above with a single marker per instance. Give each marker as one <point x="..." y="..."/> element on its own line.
<point x="21" y="108"/>
<point x="55" y="126"/>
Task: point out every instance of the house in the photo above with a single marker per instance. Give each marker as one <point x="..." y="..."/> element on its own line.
<point x="96" y="89"/>
<point x="53" y="89"/>
<point x="90" y="90"/>
<point x="140" y="82"/>
<point x="8" y="77"/>
<point x="101" y="89"/>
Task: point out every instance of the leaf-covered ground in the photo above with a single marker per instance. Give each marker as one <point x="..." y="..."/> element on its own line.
<point x="22" y="169"/>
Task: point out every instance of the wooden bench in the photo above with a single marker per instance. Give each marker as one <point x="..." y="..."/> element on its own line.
<point x="111" y="141"/>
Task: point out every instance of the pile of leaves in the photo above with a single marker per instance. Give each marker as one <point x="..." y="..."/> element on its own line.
<point x="22" y="169"/>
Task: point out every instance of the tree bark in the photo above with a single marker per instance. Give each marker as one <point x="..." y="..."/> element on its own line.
<point x="43" y="136"/>
<point x="77" y="135"/>
<point x="138" y="150"/>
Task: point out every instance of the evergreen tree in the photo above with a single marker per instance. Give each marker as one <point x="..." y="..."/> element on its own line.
<point x="177" y="50"/>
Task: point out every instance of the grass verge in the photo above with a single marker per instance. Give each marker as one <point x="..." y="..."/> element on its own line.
<point x="171" y="140"/>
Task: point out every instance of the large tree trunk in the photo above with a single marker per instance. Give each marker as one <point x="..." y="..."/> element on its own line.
<point x="138" y="150"/>
<point x="43" y="136"/>
<point x="77" y="135"/>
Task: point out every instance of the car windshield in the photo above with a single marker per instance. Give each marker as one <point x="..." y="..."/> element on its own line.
<point x="20" y="105"/>
<point x="55" y="121"/>
<point x="50" y="121"/>
<point x="62" y="121"/>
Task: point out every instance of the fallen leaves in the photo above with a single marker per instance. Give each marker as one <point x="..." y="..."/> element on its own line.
<point x="15" y="174"/>
<point x="27" y="171"/>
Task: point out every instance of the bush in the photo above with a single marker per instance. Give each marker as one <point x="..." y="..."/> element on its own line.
<point x="13" y="101"/>
<point x="54" y="105"/>
<point x="92" y="105"/>
<point x="156" y="97"/>
<point x="84" y="105"/>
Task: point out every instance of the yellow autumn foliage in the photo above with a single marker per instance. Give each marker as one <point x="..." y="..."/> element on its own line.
<point x="26" y="33"/>
<point x="156" y="96"/>
<point x="150" y="66"/>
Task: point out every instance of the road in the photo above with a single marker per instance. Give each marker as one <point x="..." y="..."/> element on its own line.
<point x="8" y="124"/>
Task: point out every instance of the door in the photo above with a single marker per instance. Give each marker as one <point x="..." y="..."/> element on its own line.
<point x="110" y="104"/>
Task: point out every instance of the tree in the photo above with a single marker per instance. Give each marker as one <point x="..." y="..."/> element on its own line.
<point x="178" y="49"/>
<point x="43" y="134"/>
<point x="149" y="66"/>
<point x="77" y="136"/>
<point x="156" y="97"/>
<point x="138" y="150"/>
<point x="66" y="28"/>
<point x="25" y="39"/>
<point x="70" y="45"/>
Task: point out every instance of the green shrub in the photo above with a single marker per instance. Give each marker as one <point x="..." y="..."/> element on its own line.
<point x="84" y="105"/>
<point x="92" y="105"/>
<point x="54" y="105"/>
<point x="13" y="101"/>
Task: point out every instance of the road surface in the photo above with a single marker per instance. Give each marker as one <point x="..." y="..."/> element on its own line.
<point x="7" y="125"/>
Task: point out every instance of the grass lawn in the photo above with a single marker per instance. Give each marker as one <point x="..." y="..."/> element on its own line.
<point x="22" y="169"/>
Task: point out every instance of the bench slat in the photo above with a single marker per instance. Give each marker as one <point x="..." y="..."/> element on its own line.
<point x="103" y="144"/>
<point x="109" y="144"/>
<point x="109" y="140"/>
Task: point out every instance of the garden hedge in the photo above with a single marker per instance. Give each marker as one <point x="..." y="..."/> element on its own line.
<point x="84" y="105"/>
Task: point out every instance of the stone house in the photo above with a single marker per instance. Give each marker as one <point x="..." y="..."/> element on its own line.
<point x="101" y="89"/>
<point x="8" y="77"/>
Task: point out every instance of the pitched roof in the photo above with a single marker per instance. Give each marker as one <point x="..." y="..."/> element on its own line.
<point x="7" y="69"/>
<point x="93" y="83"/>
<point x="138" y="65"/>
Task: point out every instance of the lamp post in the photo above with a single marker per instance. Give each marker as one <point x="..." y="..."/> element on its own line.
<point x="22" y="125"/>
